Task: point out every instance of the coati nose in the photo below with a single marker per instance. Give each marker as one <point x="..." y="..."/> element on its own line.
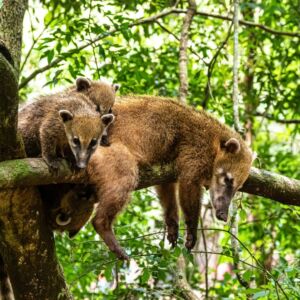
<point x="221" y="215"/>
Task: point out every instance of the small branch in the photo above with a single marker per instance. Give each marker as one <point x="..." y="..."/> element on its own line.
<point x="111" y="32"/>
<point x="242" y="22"/>
<point x="211" y="66"/>
<point x="149" y="20"/>
<point x="272" y="118"/>
<point x="184" y="287"/>
<point x="183" y="58"/>
<point x="205" y="255"/>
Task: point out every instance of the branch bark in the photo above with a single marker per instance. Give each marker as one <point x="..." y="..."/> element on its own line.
<point x="27" y="252"/>
<point x="183" y="57"/>
<point x="11" y="25"/>
<point x="34" y="171"/>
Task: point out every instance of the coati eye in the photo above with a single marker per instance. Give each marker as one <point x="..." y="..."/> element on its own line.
<point x="110" y="111"/>
<point x="76" y="141"/>
<point x="93" y="143"/>
<point x="98" y="109"/>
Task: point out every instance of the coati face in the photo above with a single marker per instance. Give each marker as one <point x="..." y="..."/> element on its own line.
<point x="101" y="93"/>
<point x="231" y="169"/>
<point x="68" y="206"/>
<point x="84" y="133"/>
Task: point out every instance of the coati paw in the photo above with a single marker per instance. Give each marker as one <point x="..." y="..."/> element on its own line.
<point x="190" y="241"/>
<point x="172" y="235"/>
<point x="53" y="164"/>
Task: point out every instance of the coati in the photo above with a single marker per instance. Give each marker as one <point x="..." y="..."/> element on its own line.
<point x="53" y="127"/>
<point x="153" y="130"/>
<point x="99" y="92"/>
<point x="68" y="206"/>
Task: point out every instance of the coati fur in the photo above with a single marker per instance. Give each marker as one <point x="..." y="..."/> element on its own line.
<point x="101" y="93"/>
<point x="54" y="127"/>
<point x="153" y="130"/>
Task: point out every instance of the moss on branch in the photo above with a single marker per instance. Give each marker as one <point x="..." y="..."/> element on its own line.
<point x="34" y="171"/>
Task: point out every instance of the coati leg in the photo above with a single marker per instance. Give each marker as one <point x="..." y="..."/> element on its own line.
<point x="190" y="200"/>
<point x="189" y="169"/>
<point x="48" y="145"/>
<point x="115" y="173"/>
<point x="167" y="196"/>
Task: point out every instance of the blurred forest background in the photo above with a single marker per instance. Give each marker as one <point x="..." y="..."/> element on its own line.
<point x="136" y="43"/>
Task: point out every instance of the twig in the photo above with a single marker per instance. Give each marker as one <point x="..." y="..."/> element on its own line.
<point x="111" y="32"/>
<point x="183" y="58"/>
<point x="205" y="255"/>
<point x="178" y="39"/>
<point x="273" y="118"/>
<point x="148" y="20"/>
<point x="211" y="67"/>
<point x="242" y="22"/>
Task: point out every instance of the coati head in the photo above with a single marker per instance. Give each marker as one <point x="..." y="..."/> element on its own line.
<point x="68" y="206"/>
<point x="100" y="93"/>
<point x="84" y="133"/>
<point x="231" y="169"/>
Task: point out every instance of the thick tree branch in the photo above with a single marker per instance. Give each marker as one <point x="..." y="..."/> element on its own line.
<point x="34" y="171"/>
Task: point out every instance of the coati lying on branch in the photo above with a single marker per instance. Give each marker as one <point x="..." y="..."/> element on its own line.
<point x="153" y="130"/>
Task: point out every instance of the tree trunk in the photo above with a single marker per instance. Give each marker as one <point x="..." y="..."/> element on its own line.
<point x="11" y="27"/>
<point x="26" y="243"/>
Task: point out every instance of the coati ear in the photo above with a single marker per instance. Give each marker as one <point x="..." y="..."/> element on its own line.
<point x="82" y="84"/>
<point x="232" y="146"/>
<point x="116" y="87"/>
<point x="107" y="119"/>
<point x="65" y="115"/>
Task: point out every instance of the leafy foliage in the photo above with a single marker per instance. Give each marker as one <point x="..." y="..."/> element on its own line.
<point x="65" y="39"/>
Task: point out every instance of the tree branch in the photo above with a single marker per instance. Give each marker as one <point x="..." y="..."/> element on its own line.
<point x="242" y="22"/>
<point x="272" y="118"/>
<point x="149" y="20"/>
<point x="34" y="171"/>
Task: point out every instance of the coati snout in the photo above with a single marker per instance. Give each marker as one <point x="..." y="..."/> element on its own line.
<point x="227" y="177"/>
<point x="84" y="134"/>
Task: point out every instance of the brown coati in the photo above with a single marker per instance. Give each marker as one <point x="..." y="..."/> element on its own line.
<point x="53" y="127"/>
<point x="152" y="130"/>
<point x="101" y="93"/>
<point x="68" y="206"/>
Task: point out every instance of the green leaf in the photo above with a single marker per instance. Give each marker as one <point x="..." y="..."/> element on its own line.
<point x="145" y="276"/>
